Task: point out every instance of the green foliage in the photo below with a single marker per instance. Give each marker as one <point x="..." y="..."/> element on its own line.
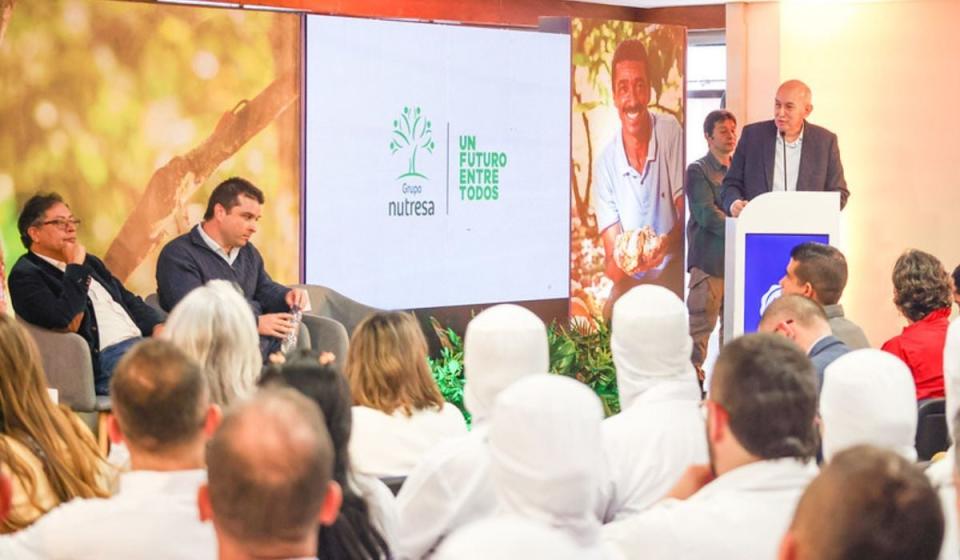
<point x="448" y="368"/>
<point x="583" y="354"/>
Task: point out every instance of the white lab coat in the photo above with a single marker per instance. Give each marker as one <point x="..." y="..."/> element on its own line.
<point x="660" y="431"/>
<point x="741" y="515"/>
<point x="508" y="538"/>
<point x="869" y="398"/>
<point x="451" y="485"/>
<point x="941" y="476"/>
<point x="648" y="447"/>
<point x="941" y="472"/>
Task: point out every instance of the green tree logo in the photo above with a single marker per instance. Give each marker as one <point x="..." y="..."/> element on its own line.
<point x="411" y="132"/>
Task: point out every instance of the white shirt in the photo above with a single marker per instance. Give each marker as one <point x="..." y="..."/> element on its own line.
<point x="793" y="163"/>
<point x="509" y="537"/>
<point x="649" y="445"/>
<point x="941" y="476"/>
<point x="392" y="444"/>
<point x="152" y="517"/>
<point x="449" y="488"/>
<point x="216" y="248"/>
<point x="742" y="514"/>
<point x="113" y="322"/>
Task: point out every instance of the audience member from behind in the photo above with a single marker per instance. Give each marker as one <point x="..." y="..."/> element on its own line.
<point x="803" y="321"/>
<point x="819" y="272"/>
<point x="546" y="457"/>
<point x="761" y="438"/>
<point x="659" y="431"/>
<point x="451" y="486"/>
<point x="214" y="326"/>
<point x="868" y="398"/>
<point x="942" y="472"/>
<point x="57" y="285"/>
<point x="867" y="503"/>
<point x="507" y="538"/>
<point x="922" y="293"/>
<point x="956" y="285"/>
<point x="220" y="248"/>
<point x="368" y="516"/>
<point x="270" y="478"/>
<point x="48" y="453"/>
<point x="399" y="413"/>
<point x="162" y="410"/>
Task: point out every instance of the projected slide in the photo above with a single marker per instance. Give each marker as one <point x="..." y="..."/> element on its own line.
<point x="437" y="163"/>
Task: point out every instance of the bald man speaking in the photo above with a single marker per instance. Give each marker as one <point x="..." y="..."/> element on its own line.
<point x="784" y="154"/>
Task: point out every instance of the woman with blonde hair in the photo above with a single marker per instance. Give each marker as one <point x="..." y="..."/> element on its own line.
<point x="215" y="326"/>
<point x="398" y="411"/>
<point x="47" y="452"/>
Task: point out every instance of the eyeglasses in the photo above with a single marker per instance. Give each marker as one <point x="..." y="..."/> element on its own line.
<point x="62" y="223"/>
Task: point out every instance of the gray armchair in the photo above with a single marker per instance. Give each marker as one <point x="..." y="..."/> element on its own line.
<point x="331" y="303"/>
<point x="327" y="335"/>
<point x="69" y="370"/>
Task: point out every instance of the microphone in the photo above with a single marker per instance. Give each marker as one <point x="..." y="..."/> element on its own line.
<point x="783" y="136"/>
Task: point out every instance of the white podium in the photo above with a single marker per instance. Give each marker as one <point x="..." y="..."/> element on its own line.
<point x="758" y="245"/>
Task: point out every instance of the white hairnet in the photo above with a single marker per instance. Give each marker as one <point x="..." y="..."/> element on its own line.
<point x="502" y="344"/>
<point x="650" y="341"/>
<point x="546" y="454"/>
<point x="868" y="397"/>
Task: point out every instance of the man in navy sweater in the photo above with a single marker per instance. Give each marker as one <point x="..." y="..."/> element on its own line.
<point x="58" y="286"/>
<point x="220" y="248"/>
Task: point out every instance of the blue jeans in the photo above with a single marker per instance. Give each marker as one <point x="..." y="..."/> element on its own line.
<point x="109" y="357"/>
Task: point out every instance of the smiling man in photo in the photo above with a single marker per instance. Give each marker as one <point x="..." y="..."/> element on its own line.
<point x="639" y="196"/>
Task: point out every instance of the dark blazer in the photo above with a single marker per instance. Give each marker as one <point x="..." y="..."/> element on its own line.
<point x="49" y="298"/>
<point x="187" y="262"/>
<point x="824" y="353"/>
<point x="751" y="171"/>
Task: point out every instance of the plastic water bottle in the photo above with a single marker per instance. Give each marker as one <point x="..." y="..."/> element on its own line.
<point x="290" y="341"/>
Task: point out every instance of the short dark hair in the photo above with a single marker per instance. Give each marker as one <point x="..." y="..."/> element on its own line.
<point x="824" y="267"/>
<point x="631" y="50"/>
<point x="228" y="193"/>
<point x="956" y="279"/>
<point x="768" y="386"/>
<point x="870" y="503"/>
<point x="159" y="395"/>
<point x="268" y="468"/>
<point x="714" y="117"/>
<point x="33" y="211"/>
<point x="921" y="284"/>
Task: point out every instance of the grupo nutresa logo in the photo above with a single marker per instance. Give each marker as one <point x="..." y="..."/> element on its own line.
<point x="412" y="135"/>
<point x="412" y="132"/>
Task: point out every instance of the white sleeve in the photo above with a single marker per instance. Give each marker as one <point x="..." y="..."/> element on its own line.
<point x="652" y="535"/>
<point x="604" y="197"/>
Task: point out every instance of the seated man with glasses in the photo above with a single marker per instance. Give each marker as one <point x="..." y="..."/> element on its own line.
<point x="57" y="285"/>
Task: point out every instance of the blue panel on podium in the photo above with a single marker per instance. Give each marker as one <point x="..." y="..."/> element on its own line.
<point x="766" y="259"/>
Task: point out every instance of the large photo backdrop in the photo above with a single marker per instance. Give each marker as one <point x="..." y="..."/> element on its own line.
<point x="437" y="163"/>
<point x="134" y="112"/>
<point x="627" y="218"/>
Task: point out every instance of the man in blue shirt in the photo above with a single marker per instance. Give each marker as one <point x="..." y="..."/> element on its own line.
<point x="639" y="197"/>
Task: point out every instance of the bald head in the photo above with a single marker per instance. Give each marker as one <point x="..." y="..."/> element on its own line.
<point x="269" y="469"/>
<point x="792" y="104"/>
<point x="799" y="311"/>
<point x="866" y="503"/>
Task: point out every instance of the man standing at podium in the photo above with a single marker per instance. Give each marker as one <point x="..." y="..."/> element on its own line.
<point x="784" y="154"/>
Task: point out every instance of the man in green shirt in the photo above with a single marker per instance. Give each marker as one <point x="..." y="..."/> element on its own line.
<point x="705" y="230"/>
